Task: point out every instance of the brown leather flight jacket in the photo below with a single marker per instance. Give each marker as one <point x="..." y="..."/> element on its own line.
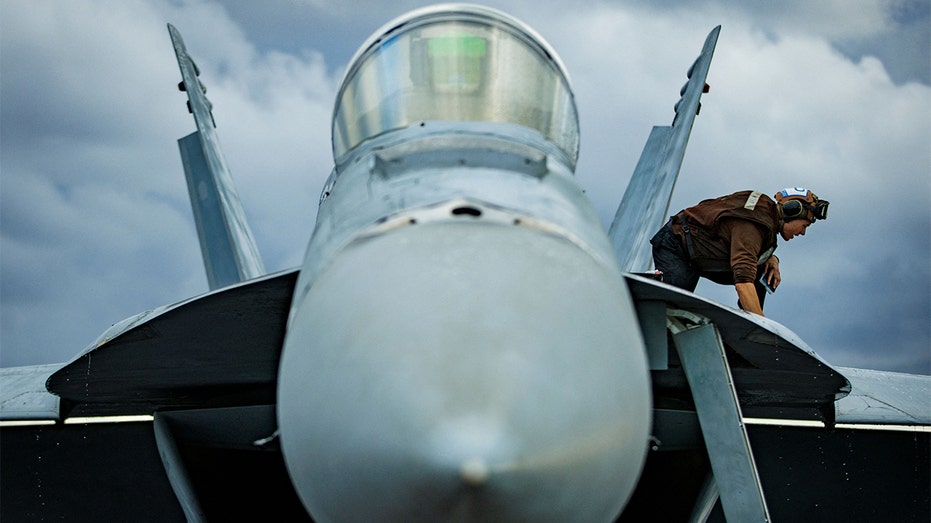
<point x="731" y="236"/>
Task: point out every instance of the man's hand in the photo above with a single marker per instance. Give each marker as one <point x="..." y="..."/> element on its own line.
<point x="771" y="272"/>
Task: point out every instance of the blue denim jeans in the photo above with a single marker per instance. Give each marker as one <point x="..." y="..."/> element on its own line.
<point x="671" y="258"/>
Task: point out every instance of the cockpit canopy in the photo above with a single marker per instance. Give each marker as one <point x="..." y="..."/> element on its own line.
<point x="455" y="63"/>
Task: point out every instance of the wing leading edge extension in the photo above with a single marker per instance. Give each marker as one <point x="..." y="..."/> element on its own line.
<point x="646" y="200"/>
<point x="228" y="248"/>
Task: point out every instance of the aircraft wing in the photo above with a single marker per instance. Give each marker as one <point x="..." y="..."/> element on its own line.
<point x="167" y="416"/>
<point x="885" y="398"/>
<point x="775" y="373"/>
<point x="215" y="350"/>
<point x="208" y="376"/>
<point x="828" y="443"/>
<point x="646" y="201"/>
<point x="211" y="351"/>
<point x="24" y="396"/>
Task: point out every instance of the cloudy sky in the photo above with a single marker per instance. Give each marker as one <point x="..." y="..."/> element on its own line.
<point x="95" y="223"/>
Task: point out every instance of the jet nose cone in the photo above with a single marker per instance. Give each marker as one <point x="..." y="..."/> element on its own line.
<point x="468" y="448"/>
<point x="465" y="372"/>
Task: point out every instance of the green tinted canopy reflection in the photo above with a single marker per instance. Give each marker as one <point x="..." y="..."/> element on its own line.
<point x="471" y="70"/>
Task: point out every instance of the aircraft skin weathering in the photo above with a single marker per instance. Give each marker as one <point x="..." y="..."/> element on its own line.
<point x="463" y="340"/>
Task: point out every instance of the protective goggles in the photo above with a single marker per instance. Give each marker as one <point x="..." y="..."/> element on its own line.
<point x="797" y="209"/>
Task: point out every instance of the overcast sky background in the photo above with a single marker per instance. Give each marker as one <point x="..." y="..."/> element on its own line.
<point x="95" y="223"/>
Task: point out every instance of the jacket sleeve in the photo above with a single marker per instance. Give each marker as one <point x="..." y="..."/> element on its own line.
<point x="746" y="243"/>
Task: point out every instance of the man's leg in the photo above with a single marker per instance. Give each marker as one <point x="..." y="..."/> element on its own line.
<point x="670" y="258"/>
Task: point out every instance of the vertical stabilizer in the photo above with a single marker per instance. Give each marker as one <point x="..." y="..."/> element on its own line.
<point x="646" y="201"/>
<point x="226" y="242"/>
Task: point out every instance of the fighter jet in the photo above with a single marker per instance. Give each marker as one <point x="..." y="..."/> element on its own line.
<point x="464" y="341"/>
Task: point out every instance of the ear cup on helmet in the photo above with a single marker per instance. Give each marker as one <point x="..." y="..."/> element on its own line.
<point x="792" y="209"/>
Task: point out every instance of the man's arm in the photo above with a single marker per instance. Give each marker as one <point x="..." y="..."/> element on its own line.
<point x="746" y="293"/>
<point x="746" y="240"/>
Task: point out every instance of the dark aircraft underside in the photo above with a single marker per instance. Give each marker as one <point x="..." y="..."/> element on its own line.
<point x="97" y="472"/>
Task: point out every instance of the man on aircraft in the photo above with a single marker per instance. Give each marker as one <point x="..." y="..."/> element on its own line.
<point x="730" y="240"/>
